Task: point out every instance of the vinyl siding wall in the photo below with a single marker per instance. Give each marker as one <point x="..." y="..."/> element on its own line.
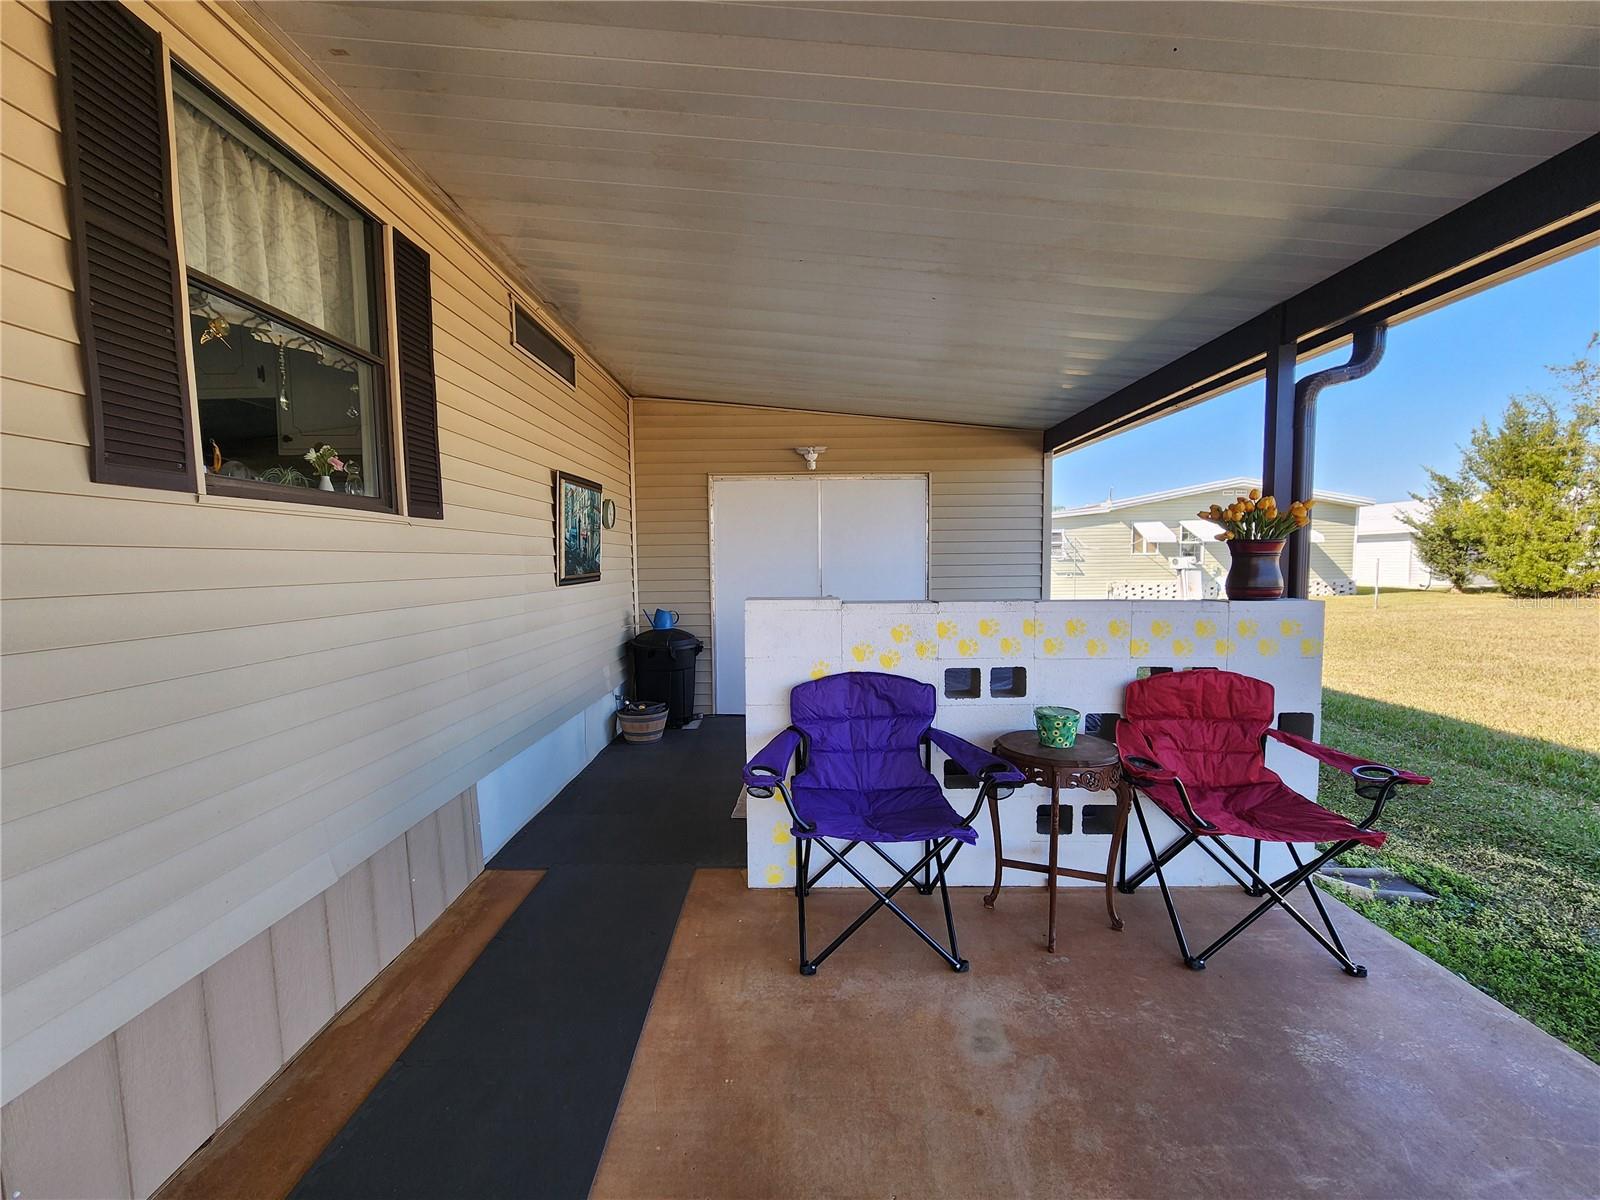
<point x="215" y="709"/>
<point x="1105" y="541"/>
<point x="986" y="489"/>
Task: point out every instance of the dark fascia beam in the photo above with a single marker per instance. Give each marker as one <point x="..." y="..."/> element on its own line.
<point x="1548" y="207"/>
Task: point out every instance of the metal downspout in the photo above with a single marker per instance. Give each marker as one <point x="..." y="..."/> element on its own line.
<point x="1366" y="352"/>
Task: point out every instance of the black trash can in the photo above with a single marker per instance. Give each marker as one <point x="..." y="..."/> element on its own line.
<point x="663" y="669"/>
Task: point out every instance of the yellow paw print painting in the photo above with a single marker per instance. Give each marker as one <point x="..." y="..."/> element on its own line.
<point x="781" y="835"/>
<point x="947" y="629"/>
<point x="1182" y="647"/>
<point x="1225" y="647"/>
<point x="1010" y="645"/>
<point x="1032" y="627"/>
<point x="1247" y="627"/>
<point x="927" y="649"/>
<point x="1117" y="628"/>
<point x="1138" y="647"/>
<point x="968" y="647"/>
<point x="1052" y="646"/>
<point x="775" y="875"/>
<point x="1266" y="647"/>
<point x="900" y="633"/>
<point x="1310" y="647"/>
<point x="819" y="669"/>
<point x="1095" y="647"/>
<point x="1289" y="628"/>
<point x="1075" y="626"/>
<point x="889" y="659"/>
<point x="1204" y="628"/>
<point x="1160" y="629"/>
<point x="861" y="651"/>
<point x="988" y="627"/>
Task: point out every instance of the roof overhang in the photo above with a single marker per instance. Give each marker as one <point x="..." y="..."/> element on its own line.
<point x="1069" y="216"/>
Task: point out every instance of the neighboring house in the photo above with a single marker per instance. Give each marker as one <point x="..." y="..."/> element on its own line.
<point x="1154" y="546"/>
<point x="1386" y="547"/>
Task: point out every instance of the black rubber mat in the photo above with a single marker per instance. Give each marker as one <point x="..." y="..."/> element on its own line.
<point x="509" y="1090"/>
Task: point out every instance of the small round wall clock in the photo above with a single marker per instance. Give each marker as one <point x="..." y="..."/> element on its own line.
<point x="608" y="513"/>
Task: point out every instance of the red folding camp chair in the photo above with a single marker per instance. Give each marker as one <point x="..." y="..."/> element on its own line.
<point x="1194" y="742"/>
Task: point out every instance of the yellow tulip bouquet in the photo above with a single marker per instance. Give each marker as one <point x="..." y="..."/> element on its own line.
<point x="1257" y="518"/>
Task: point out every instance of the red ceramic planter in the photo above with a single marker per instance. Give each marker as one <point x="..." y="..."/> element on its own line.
<point x="1254" y="573"/>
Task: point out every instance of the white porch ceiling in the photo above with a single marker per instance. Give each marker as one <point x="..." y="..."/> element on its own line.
<point x="994" y="212"/>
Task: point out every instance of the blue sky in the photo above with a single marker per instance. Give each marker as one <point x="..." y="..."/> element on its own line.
<point x="1440" y="376"/>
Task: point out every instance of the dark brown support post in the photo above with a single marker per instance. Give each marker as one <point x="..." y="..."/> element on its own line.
<point x="1278" y="441"/>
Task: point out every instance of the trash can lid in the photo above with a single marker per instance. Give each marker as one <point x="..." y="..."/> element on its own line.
<point x="665" y="639"/>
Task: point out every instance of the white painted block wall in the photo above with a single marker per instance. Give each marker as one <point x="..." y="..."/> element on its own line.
<point x="1079" y="653"/>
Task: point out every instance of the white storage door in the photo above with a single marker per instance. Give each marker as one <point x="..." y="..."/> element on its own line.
<point x="765" y="538"/>
<point x="875" y="538"/>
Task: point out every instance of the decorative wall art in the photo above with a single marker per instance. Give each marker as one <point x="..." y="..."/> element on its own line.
<point x="578" y="525"/>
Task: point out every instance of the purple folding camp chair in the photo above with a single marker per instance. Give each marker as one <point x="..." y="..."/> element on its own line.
<point x="862" y="777"/>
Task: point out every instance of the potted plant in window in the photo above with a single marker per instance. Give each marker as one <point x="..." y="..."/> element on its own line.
<point x="325" y="461"/>
<point x="1255" y="530"/>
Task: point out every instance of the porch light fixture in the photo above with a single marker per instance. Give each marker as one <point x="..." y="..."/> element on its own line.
<point x="810" y="453"/>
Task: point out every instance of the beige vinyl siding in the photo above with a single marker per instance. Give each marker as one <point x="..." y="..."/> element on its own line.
<point x="119" y="1118"/>
<point x="986" y="490"/>
<point x="216" y="707"/>
<point x="1105" y="541"/>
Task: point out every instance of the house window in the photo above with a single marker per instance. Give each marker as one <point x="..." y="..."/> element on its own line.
<point x="535" y="340"/>
<point x="1142" y="545"/>
<point x="1191" y="550"/>
<point x="283" y="326"/>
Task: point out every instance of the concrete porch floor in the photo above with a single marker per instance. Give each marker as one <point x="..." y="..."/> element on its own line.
<point x="1105" y="1070"/>
<point x="637" y="1028"/>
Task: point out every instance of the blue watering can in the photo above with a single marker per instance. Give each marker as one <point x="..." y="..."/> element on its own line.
<point x="665" y="618"/>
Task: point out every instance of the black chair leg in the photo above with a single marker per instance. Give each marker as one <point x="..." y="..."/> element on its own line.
<point x="961" y="964"/>
<point x="1155" y="864"/>
<point x="801" y="888"/>
<point x="885" y="899"/>
<point x="925" y="888"/>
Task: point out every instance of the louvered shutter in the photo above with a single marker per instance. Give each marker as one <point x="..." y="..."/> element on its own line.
<point x="110" y="71"/>
<point x="413" y="304"/>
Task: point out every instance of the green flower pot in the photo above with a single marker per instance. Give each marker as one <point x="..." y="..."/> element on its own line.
<point x="1058" y="727"/>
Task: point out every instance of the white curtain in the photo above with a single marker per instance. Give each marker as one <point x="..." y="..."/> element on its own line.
<point x="250" y="225"/>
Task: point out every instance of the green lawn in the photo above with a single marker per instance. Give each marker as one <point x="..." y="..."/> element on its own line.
<point x="1500" y="703"/>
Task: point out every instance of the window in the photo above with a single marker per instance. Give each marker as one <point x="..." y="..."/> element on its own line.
<point x="1142" y="545"/>
<point x="283" y="327"/>
<point x="1191" y="549"/>
<point x="541" y="344"/>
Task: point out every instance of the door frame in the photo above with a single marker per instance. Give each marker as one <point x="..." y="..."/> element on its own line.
<point x="712" y="480"/>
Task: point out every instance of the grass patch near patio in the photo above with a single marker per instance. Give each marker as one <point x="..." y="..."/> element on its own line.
<point x="1500" y="703"/>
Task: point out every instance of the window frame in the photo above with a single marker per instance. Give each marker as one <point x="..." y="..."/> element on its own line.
<point x="380" y="359"/>
<point x="1152" y="550"/>
<point x="518" y="307"/>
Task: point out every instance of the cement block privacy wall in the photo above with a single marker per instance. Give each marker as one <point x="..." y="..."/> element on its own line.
<point x="1079" y="653"/>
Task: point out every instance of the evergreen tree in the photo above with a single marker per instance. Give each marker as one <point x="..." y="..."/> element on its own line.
<point x="1524" y="506"/>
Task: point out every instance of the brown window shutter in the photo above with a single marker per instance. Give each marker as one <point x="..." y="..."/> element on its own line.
<point x="413" y="310"/>
<point x="110" y="71"/>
